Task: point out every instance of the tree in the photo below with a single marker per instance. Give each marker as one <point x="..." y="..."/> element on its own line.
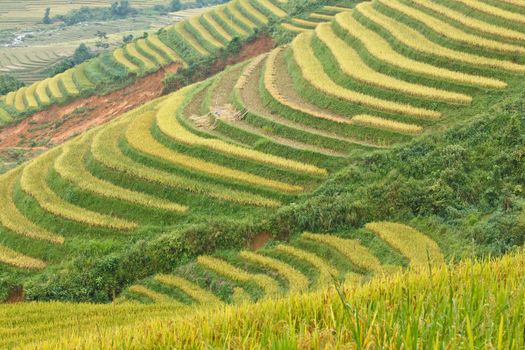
<point x="102" y="41"/>
<point x="82" y="53"/>
<point x="175" y="5"/>
<point x="47" y="18"/>
<point x="9" y="83"/>
<point x="126" y="39"/>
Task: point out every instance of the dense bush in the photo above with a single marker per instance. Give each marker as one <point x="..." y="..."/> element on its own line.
<point x="9" y="83"/>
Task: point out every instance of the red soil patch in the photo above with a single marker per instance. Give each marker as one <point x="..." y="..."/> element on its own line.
<point x="259" y="241"/>
<point x="15" y="296"/>
<point x="57" y="124"/>
<point x="60" y="123"/>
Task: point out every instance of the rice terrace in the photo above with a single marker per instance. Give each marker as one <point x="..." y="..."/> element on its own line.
<point x="262" y="174"/>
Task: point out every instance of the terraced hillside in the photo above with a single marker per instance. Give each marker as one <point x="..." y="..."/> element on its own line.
<point x="312" y="262"/>
<point x="256" y="136"/>
<point x="184" y="43"/>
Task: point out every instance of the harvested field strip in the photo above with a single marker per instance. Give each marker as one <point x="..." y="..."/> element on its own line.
<point x="471" y="22"/>
<point x="142" y="44"/>
<point x="187" y="36"/>
<point x="275" y="10"/>
<point x="151" y="294"/>
<point x="33" y="182"/>
<point x="71" y="167"/>
<point x="252" y="11"/>
<point x="41" y="92"/>
<point x="266" y="283"/>
<point x="381" y="49"/>
<point x="139" y="137"/>
<point x="222" y="32"/>
<point x="326" y="271"/>
<point x="198" y="294"/>
<point x="206" y="36"/>
<point x="121" y="58"/>
<point x="351" y="249"/>
<point x="13" y="258"/>
<point x="416" y="246"/>
<point x="106" y="151"/>
<point x="169" y="125"/>
<point x="496" y="11"/>
<point x="287" y="132"/>
<point x="156" y="42"/>
<point x="55" y="90"/>
<point x="69" y="83"/>
<point x="237" y="15"/>
<point x="20" y="103"/>
<point x="132" y="50"/>
<point x="321" y="16"/>
<point x="30" y="96"/>
<point x="229" y="21"/>
<point x="313" y="72"/>
<point x="12" y="219"/>
<point x="451" y="32"/>
<point x="382" y="123"/>
<point x="351" y="64"/>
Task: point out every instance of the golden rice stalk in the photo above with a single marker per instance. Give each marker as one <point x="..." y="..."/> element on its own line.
<point x="452" y="32"/>
<point x="154" y="40"/>
<point x="121" y="58"/>
<point x="216" y="26"/>
<point x="248" y="70"/>
<point x="327" y="272"/>
<point x="297" y="282"/>
<point x="352" y="65"/>
<point x="153" y="295"/>
<point x="106" y="151"/>
<point x="143" y="45"/>
<point x="382" y="50"/>
<point x="20" y="103"/>
<point x="138" y="136"/>
<point x="471" y="22"/>
<point x="275" y="10"/>
<point x="239" y="16"/>
<point x="168" y="123"/>
<point x="54" y="88"/>
<point x="42" y="93"/>
<point x="10" y="98"/>
<point x="12" y="219"/>
<point x="252" y="11"/>
<point x="351" y="249"/>
<point x="198" y="294"/>
<point x="132" y="51"/>
<point x="207" y="36"/>
<point x="10" y="257"/>
<point x="71" y="167"/>
<point x="314" y="73"/>
<point x="272" y="87"/>
<point x="30" y="96"/>
<point x="33" y="182"/>
<point x="416" y="246"/>
<point x="497" y="11"/>
<point x="268" y="284"/>
<point x="187" y="36"/>
<point x="292" y="28"/>
<point x="222" y="15"/>
<point x="382" y="123"/>
<point x="69" y="84"/>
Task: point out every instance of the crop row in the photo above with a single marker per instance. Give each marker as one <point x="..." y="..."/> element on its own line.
<point x="11" y="257"/>
<point x="168" y="123"/>
<point x="496" y="11"/>
<point x="379" y="48"/>
<point x="352" y="65"/>
<point x="313" y="72"/>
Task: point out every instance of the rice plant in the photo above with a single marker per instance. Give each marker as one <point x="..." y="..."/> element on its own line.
<point x="198" y="294"/>
<point x="10" y="257"/>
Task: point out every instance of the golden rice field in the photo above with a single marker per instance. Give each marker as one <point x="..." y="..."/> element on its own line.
<point x="440" y="311"/>
<point x="204" y="34"/>
<point x="307" y="263"/>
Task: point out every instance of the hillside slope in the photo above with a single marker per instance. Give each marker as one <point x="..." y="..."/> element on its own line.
<point x="255" y="137"/>
<point x="438" y="308"/>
